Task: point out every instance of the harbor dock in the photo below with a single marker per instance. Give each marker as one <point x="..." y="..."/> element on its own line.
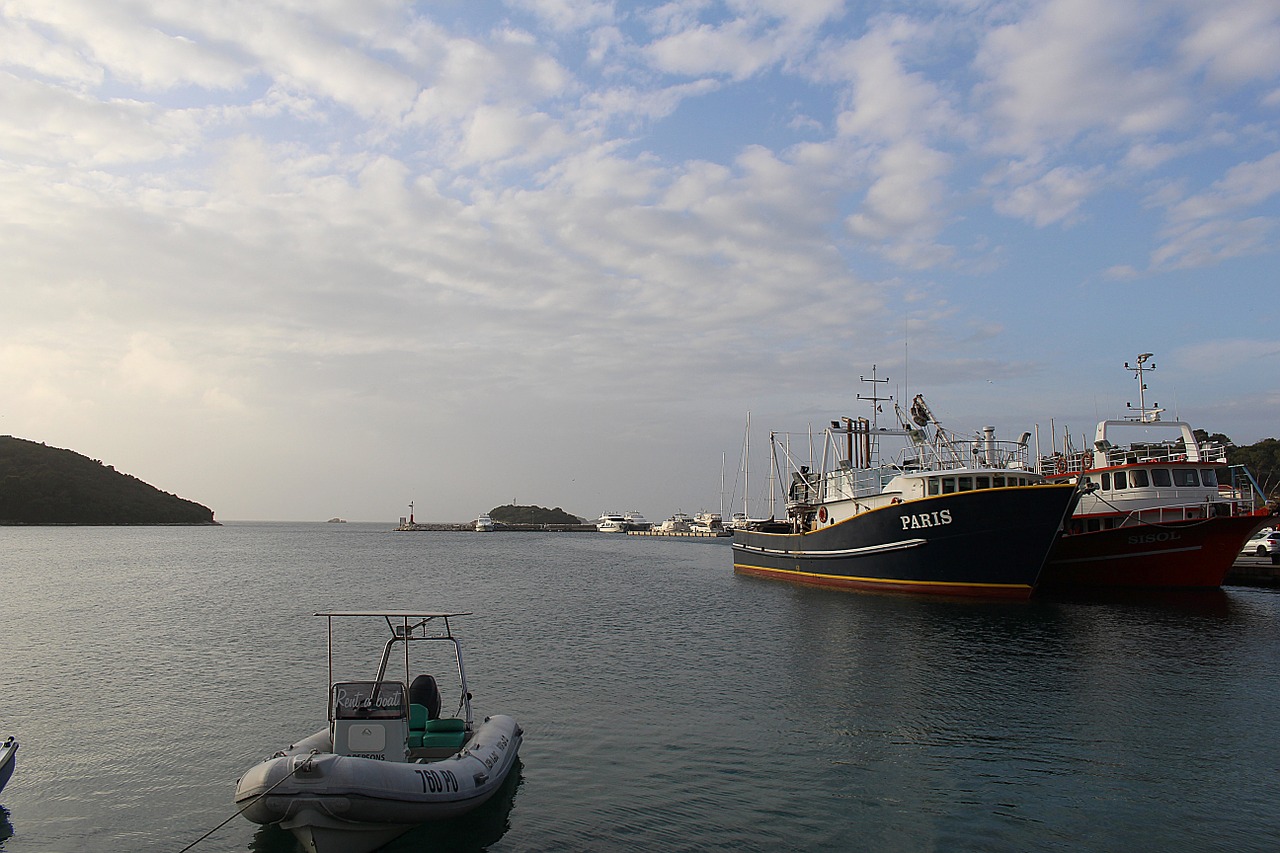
<point x="500" y="527"/>
<point x="1253" y="571"/>
<point x="682" y="534"/>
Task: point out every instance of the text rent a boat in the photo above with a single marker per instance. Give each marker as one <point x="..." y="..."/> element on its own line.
<point x="939" y="515"/>
<point x="387" y="761"/>
<point x="1160" y="507"/>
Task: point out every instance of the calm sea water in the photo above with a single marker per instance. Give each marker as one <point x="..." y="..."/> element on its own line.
<point x="667" y="703"/>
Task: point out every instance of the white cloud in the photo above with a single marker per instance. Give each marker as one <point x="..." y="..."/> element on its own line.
<point x="42" y="123"/>
<point x="1244" y="186"/>
<point x="887" y="102"/>
<point x="566" y="15"/>
<point x="1217" y="224"/>
<point x="1073" y="66"/>
<point x="906" y="202"/>
<point x="754" y="36"/>
<point x="1235" y="40"/>
<point x="1054" y="197"/>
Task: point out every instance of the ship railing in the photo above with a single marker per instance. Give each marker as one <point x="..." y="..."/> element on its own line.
<point x="1185" y="512"/>
<point x="1076" y="462"/>
<point x="1011" y="455"/>
<point x="1169" y="453"/>
<point x="1242" y="488"/>
<point x="846" y="483"/>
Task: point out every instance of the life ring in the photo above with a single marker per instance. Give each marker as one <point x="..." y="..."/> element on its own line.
<point x="896" y="501"/>
<point x="1061" y="466"/>
<point x="1086" y="462"/>
<point x="822" y="514"/>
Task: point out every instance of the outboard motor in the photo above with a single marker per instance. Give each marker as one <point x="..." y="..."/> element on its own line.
<point x="425" y="692"/>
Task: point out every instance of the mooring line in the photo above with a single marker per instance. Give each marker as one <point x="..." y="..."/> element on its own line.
<point x="306" y="765"/>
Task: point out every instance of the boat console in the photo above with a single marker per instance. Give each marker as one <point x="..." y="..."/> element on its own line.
<point x="370" y="720"/>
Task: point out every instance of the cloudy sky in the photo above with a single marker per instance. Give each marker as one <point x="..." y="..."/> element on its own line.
<point x="302" y="258"/>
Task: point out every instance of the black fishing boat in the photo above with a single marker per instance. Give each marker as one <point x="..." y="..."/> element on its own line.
<point x="940" y="515"/>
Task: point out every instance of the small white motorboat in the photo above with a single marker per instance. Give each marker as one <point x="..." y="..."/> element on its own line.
<point x="8" y="759"/>
<point x="387" y="761"/>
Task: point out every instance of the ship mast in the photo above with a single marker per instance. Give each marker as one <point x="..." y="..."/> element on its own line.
<point x="1145" y="415"/>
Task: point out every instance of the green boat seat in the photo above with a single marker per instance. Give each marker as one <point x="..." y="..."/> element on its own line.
<point x="417" y="724"/>
<point x="446" y="724"/>
<point x="448" y="733"/>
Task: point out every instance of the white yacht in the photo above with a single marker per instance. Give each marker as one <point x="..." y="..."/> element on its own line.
<point x="708" y="522"/>
<point x="678" y="523"/>
<point x="611" y="522"/>
<point x="484" y="524"/>
<point x="636" y="521"/>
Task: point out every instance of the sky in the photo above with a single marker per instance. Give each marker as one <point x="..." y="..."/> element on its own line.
<point x="296" y="259"/>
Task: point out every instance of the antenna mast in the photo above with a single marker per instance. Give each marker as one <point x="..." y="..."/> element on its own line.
<point x="1145" y="415"/>
<point x="874" y="399"/>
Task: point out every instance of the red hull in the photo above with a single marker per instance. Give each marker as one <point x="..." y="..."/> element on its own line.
<point x="1185" y="554"/>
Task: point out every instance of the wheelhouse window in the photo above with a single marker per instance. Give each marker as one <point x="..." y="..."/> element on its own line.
<point x="984" y="482"/>
<point x="948" y="485"/>
<point x="1160" y="477"/>
<point x="1209" y="477"/>
<point x="998" y="481"/>
<point x="1185" y="477"/>
<point x="966" y="484"/>
<point x="1140" y="479"/>
<point x="1106" y="482"/>
<point x="934" y="486"/>
<point x="1121" y="480"/>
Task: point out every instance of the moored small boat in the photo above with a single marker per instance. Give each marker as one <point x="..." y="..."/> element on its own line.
<point x="387" y="761"/>
<point x="8" y="759"/>
<point x="942" y="515"/>
<point x="485" y="524"/>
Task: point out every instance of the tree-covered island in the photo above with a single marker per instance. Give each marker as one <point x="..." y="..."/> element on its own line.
<point x="49" y="485"/>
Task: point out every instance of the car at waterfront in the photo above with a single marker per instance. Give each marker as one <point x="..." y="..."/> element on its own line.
<point x="1262" y="543"/>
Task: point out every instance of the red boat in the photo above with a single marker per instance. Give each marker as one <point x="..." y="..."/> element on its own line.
<point x="1159" y="508"/>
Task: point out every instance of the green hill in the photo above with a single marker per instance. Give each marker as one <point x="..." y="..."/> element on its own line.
<point x="515" y="514"/>
<point x="48" y="485"/>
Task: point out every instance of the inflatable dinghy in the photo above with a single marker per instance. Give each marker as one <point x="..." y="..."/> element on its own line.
<point x="8" y="759"/>
<point x="387" y="761"/>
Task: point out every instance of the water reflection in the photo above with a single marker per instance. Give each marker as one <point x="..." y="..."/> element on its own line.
<point x="1215" y="603"/>
<point x="6" y="828"/>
